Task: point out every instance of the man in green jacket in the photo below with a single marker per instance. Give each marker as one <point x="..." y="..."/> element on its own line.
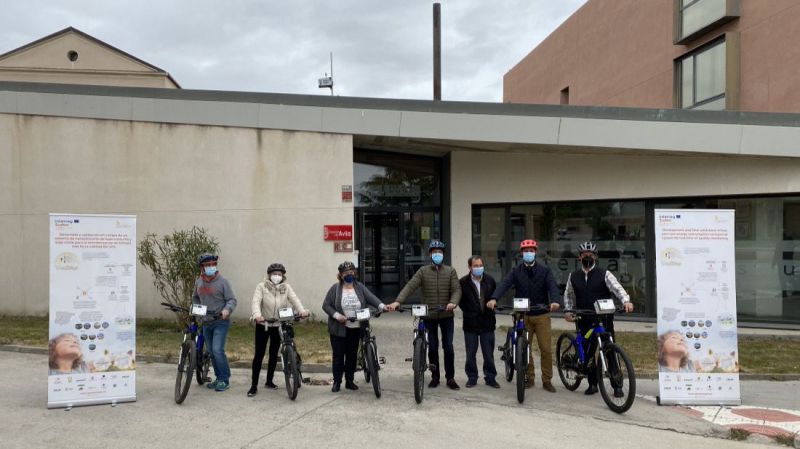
<point x="440" y="287"/>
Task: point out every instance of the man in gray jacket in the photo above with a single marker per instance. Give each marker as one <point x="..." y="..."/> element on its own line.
<point x="440" y="287"/>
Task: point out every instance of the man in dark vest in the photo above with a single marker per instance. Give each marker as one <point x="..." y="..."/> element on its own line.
<point x="585" y="286"/>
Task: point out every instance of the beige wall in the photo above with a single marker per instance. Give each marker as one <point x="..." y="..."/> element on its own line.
<point x="620" y="53"/>
<point x="265" y="194"/>
<point x="521" y="177"/>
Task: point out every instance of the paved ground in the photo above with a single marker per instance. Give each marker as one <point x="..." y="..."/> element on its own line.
<point x="477" y="417"/>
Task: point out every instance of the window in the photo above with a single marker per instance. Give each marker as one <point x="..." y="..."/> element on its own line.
<point x="694" y="18"/>
<point x="701" y="76"/>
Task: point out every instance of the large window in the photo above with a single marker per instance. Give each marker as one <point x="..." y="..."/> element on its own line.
<point x="701" y="78"/>
<point x="696" y="17"/>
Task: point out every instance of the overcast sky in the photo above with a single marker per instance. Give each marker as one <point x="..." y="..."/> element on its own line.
<point x="380" y="48"/>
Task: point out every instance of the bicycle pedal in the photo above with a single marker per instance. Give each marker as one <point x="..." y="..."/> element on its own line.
<point x="382" y="360"/>
<point x="409" y="359"/>
<point x="432" y="367"/>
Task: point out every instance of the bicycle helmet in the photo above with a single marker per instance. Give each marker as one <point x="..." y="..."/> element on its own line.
<point x="436" y="244"/>
<point x="528" y="243"/>
<point x="346" y="266"/>
<point x="276" y="267"/>
<point x="587" y="247"/>
<point x="206" y="257"/>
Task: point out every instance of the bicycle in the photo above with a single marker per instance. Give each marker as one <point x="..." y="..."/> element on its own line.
<point x="290" y="358"/>
<point x="368" y="358"/>
<point x="515" y="353"/>
<point x="192" y="356"/>
<point x="575" y="362"/>
<point x="419" y="356"/>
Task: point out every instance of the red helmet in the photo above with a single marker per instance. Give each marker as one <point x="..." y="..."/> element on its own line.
<point x="528" y="243"/>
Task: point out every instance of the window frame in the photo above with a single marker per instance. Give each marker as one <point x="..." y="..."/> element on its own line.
<point x="732" y="12"/>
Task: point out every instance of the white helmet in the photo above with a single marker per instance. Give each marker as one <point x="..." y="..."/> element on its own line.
<point x="587" y="246"/>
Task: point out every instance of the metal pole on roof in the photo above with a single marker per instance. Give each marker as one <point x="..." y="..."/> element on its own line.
<point x="437" y="51"/>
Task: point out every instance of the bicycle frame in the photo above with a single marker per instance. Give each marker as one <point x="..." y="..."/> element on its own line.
<point x="597" y="331"/>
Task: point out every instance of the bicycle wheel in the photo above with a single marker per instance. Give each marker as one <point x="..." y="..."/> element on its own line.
<point x="617" y="381"/>
<point x="567" y="361"/>
<point x="291" y="371"/>
<point x="521" y="363"/>
<point x="183" y="379"/>
<point x="203" y="365"/>
<point x="508" y="359"/>
<point x="420" y="362"/>
<point x="372" y="367"/>
<point x="363" y="361"/>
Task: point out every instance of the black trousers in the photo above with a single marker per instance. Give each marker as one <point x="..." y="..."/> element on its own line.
<point x="447" y="325"/>
<point x="271" y="334"/>
<point x="584" y="327"/>
<point x="345" y="353"/>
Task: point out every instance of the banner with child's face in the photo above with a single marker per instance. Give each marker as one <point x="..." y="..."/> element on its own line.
<point x="92" y="342"/>
<point x="698" y="355"/>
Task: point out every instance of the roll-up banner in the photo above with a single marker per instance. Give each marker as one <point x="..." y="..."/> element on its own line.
<point x="92" y="347"/>
<point x="698" y="355"/>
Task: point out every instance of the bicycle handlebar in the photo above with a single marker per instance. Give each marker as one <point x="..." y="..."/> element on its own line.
<point x="374" y="313"/>
<point x="176" y="309"/>
<point x="533" y="308"/>
<point x="591" y="312"/>
<point x="295" y="318"/>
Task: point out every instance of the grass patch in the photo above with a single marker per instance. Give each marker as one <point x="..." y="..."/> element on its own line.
<point x="161" y="337"/>
<point x="739" y="434"/>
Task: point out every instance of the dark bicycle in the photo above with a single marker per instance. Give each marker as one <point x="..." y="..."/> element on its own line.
<point x="193" y="356"/>
<point x="368" y="359"/>
<point x="290" y="358"/>
<point x="419" y="358"/>
<point x="577" y="356"/>
<point x="515" y="353"/>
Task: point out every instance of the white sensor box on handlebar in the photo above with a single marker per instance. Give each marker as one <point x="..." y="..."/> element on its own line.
<point x="419" y="310"/>
<point x="362" y="314"/>
<point x="286" y="314"/>
<point x="199" y="310"/>
<point x="604" y="306"/>
<point x="522" y="304"/>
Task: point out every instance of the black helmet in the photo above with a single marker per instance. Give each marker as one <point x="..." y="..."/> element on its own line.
<point x="435" y="244"/>
<point x="346" y="265"/>
<point x="277" y="266"/>
<point x="206" y="257"/>
<point x="587" y="247"/>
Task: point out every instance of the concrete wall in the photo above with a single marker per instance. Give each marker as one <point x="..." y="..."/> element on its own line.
<point x="621" y="53"/>
<point x="265" y="194"/>
<point x="483" y="177"/>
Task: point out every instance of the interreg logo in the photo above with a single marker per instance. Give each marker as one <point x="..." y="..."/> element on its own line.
<point x="66" y="222"/>
<point x="668" y="218"/>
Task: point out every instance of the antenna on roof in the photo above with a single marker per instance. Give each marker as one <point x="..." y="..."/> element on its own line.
<point x="326" y="82"/>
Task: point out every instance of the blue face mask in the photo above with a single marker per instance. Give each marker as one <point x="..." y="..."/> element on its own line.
<point x="477" y="271"/>
<point x="210" y="271"/>
<point x="437" y="258"/>
<point x="528" y="257"/>
<point x="349" y="278"/>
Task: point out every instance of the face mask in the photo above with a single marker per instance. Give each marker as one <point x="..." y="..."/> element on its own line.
<point x="587" y="262"/>
<point x="276" y="279"/>
<point x="349" y="278"/>
<point x="528" y="257"/>
<point x="210" y="271"/>
<point x="477" y="272"/>
<point x="437" y="258"/>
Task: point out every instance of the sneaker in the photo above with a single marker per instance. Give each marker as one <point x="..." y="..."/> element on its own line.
<point x="618" y="393"/>
<point x="336" y="387"/>
<point x="252" y="391"/>
<point x="591" y="390"/>
<point x="471" y="383"/>
<point x="433" y="383"/>
<point x="492" y="383"/>
<point x="271" y="385"/>
<point x="451" y="384"/>
<point x="222" y="385"/>
<point x="212" y="385"/>
<point x="350" y="385"/>
<point x="549" y="387"/>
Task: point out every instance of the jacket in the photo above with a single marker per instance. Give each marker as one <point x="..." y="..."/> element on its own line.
<point x="477" y="317"/>
<point x="439" y="287"/>
<point x="332" y="305"/>
<point x="268" y="298"/>
<point x="533" y="282"/>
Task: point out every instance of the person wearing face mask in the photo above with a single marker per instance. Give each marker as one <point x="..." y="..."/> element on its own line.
<point x="479" y="321"/>
<point x="585" y="286"/>
<point x="342" y="301"/>
<point x="440" y="287"/>
<point x="535" y="281"/>
<point x="215" y="292"/>
<point x="271" y="295"/>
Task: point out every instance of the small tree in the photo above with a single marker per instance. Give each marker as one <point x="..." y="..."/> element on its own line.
<point x="173" y="261"/>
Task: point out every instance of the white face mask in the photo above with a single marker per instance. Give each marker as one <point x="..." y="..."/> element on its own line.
<point x="276" y="279"/>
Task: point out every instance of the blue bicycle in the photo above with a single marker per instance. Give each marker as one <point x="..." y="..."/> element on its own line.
<point x="419" y="358"/>
<point x="577" y="355"/>
<point x="192" y="358"/>
<point x="515" y="353"/>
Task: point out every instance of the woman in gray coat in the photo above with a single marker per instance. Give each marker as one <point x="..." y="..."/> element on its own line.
<point x="342" y="301"/>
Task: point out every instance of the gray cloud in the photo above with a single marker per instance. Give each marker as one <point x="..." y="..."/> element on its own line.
<point x="381" y="48"/>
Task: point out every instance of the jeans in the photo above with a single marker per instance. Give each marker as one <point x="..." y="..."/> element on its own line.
<point x="486" y="341"/>
<point x="262" y="335"/>
<point x="215" y="333"/>
<point x="345" y="353"/>
<point x="448" y="327"/>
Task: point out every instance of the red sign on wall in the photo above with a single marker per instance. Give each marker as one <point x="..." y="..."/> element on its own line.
<point x="337" y="232"/>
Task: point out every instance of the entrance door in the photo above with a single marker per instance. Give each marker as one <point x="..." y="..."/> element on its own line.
<point x="380" y="253"/>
